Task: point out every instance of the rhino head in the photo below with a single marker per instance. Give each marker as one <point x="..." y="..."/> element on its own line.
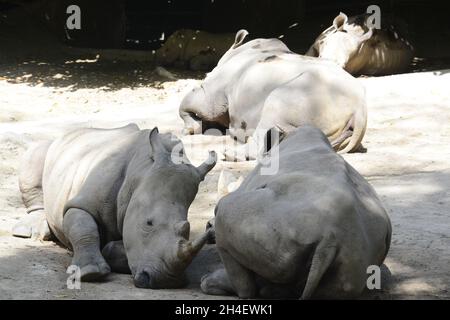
<point x="341" y="41"/>
<point x="155" y="228"/>
<point x="206" y="106"/>
<point x="173" y="48"/>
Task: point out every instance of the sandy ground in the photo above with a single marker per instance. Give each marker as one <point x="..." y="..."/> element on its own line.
<point x="407" y="161"/>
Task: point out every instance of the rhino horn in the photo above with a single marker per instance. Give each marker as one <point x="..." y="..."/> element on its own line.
<point x="206" y="166"/>
<point x="188" y="249"/>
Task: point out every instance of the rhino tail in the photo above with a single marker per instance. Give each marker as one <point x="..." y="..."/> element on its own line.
<point x="31" y="169"/>
<point x="355" y="131"/>
<point x="322" y="259"/>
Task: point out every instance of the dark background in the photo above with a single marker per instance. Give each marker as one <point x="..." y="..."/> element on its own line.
<point x="137" y="24"/>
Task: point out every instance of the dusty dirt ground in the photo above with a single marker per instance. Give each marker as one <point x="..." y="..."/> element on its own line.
<point x="43" y="94"/>
<point x="407" y="161"/>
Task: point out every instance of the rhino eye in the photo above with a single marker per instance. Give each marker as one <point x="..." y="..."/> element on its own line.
<point x="149" y="222"/>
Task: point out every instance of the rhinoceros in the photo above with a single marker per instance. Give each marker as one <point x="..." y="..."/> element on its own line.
<point x="361" y="49"/>
<point x="118" y="200"/>
<point x="193" y="49"/>
<point x="310" y="230"/>
<point x="262" y="84"/>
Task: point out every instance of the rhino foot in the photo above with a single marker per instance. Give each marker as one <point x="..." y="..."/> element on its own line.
<point x="361" y="149"/>
<point x="192" y="124"/>
<point x="216" y="283"/>
<point x="92" y="267"/>
<point x="191" y="130"/>
<point x="233" y="156"/>
<point x="241" y="152"/>
<point x="82" y="232"/>
<point x="34" y="226"/>
<point x="116" y="257"/>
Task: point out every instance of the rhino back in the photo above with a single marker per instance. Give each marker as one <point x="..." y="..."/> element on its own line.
<point x="82" y="169"/>
<point x="278" y="219"/>
<point x="252" y="47"/>
<point x="309" y="85"/>
<point x="278" y="223"/>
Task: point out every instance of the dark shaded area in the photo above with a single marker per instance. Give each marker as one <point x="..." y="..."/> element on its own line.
<point x="34" y="38"/>
<point x="141" y="24"/>
<point x="297" y="21"/>
<point x="147" y="21"/>
<point x="89" y="73"/>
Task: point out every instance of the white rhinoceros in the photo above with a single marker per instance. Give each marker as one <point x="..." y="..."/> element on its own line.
<point x="116" y="198"/>
<point x="262" y="84"/>
<point x="193" y="49"/>
<point x="310" y="230"/>
<point x="361" y="49"/>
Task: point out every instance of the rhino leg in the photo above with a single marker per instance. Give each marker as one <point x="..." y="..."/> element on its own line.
<point x="217" y="283"/>
<point x="242" y="279"/>
<point x="82" y="231"/>
<point x="242" y="152"/>
<point x="192" y="124"/>
<point x="116" y="256"/>
<point x="34" y="225"/>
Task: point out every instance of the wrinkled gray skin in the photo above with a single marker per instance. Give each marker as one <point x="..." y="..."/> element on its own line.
<point x="262" y="84"/>
<point x="361" y="50"/>
<point x="115" y="197"/>
<point x="310" y="231"/>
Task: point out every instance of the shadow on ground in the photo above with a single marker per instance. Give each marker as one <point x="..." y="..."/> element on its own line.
<point x="76" y="73"/>
<point x="37" y="270"/>
<point x="440" y="66"/>
<point x="32" y="55"/>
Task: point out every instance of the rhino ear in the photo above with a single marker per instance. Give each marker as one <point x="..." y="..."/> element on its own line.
<point x="340" y="20"/>
<point x="156" y="144"/>
<point x="273" y="137"/>
<point x="206" y="166"/>
<point x="240" y="36"/>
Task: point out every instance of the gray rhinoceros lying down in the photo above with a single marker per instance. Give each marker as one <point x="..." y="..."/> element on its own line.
<point x="118" y="200"/>
<point x="310" y="230"/>
<point x="363" y="50"/>
<point x="193" y="49"/>
<point x="262" y="84"/>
